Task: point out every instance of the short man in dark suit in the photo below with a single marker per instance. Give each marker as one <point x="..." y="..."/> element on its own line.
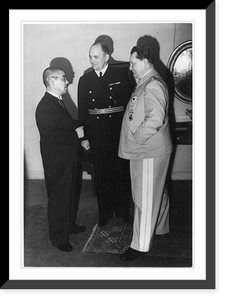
<point x="60" y="145"/>
<point x="103" y="94"/>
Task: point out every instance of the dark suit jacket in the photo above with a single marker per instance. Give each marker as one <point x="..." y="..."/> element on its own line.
<point x="59" y="141"/>
<point x="112" y="90"/>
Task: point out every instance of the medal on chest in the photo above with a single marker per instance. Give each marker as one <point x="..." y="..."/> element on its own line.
<point x="133" y="102"/>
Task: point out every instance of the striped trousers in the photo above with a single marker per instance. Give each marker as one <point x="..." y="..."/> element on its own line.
<point x="151" y="200"/>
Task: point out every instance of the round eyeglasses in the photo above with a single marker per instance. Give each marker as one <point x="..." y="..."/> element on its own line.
<point x="62" y="78"/>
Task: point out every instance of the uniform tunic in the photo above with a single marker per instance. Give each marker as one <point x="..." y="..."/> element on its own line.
<point x="145" y="140"/>
<point x="101" y="105"/>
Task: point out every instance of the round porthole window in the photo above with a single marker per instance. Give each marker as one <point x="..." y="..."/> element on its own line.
<point x="180" y="65"/>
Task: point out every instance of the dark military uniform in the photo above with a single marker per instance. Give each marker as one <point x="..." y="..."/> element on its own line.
<point x="101" y="105"/>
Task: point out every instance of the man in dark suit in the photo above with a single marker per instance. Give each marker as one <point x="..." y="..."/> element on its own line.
<point x="61" y="151"/>
<point x="103" y="94"/>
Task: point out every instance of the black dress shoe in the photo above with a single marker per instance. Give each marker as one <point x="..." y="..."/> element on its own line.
<point x="130" y="254"/>
<point x="102" y="222"/>
<point x="76" y="229"/>
<point x="65" y="247"/>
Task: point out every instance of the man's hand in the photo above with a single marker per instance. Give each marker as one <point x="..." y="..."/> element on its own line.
<point x="85" y="144"/>
<point x="80" y="132"/>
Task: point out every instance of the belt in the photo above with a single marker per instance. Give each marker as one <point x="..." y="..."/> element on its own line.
<point x="103" y="111"/>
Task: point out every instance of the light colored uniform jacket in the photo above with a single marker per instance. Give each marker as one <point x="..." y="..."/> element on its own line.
<point x="145" y="129"/>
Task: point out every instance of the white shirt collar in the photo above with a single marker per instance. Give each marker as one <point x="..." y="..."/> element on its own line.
<point x="102" y="71"/>
<point x="55" y="95"/>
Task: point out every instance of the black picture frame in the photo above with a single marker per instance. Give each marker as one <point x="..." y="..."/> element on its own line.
<point x="210" y="283"/>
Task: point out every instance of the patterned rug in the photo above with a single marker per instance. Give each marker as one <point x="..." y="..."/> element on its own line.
<point x="116" y="237"/>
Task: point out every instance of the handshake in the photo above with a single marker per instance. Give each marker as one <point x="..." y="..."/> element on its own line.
<point x="80" y="133"/>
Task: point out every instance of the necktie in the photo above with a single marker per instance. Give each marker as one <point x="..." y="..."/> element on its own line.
<point x="100" y="74"/>
<point x="61" y="103"/>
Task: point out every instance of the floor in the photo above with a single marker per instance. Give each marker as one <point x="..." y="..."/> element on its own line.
<point x="38" y="251"/>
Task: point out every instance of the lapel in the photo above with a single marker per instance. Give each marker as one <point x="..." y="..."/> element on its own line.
<point x="62" y="110"/>
<point x="107" y="75"/>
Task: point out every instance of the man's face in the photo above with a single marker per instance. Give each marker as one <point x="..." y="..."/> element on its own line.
<point x="60" y="83"/>
<point x="137" y="66"/>
<point x="97" y="57"/>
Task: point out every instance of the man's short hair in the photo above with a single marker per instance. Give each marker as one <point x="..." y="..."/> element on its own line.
<point x="143" y="52"/>
<point x="48" y="72"/>
<point x="104" y="47"/>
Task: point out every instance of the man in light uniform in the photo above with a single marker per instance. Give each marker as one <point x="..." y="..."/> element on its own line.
<point x="145" y="140"/>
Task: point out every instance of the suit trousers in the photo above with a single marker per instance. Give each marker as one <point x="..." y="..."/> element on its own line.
<point x="151" y="200"/>
<point x="112" y="179"/>
<point x="63" y="204"/>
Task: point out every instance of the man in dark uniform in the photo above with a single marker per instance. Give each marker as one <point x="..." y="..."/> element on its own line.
<point x="60" y="145"/>
<point x="103" y="95"/>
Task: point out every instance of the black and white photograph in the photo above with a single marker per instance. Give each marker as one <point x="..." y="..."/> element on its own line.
<point x="109" y="162"/>
<point x="108" y="175"/>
